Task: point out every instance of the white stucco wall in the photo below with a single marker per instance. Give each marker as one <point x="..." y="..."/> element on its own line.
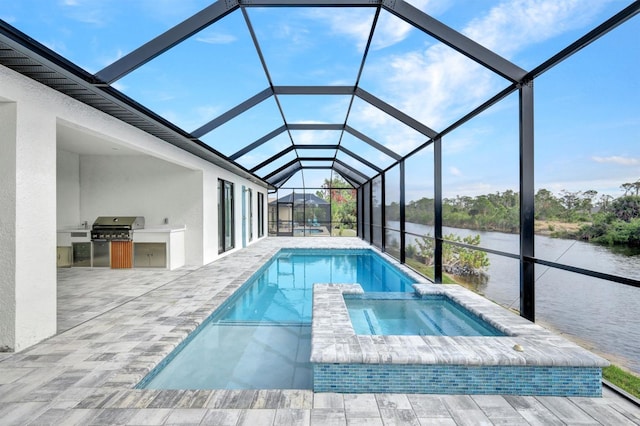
<point x="40" y="183"/>
<point x="144" y="186"/>
<point x="35" y="224"/>
<point x="29" y="200"/>
<point x="8" y="113"/>
<point x="68" y="189"/>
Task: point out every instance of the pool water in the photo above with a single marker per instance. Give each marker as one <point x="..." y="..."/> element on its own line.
<point x="260" y="338"/>
<point x="256" y="356"/>
<point x="426" y="316"/>
<point x="283" y="291"/>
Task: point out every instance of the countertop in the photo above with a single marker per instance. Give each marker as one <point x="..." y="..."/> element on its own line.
<point x="160" y="228"/>
<point x="177" y="228"/>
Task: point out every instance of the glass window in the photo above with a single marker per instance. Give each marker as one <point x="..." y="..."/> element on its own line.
<point x="226" y="237"/>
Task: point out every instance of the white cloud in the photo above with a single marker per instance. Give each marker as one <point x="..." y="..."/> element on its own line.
<point x="304" y="137"/>
<point x="437" y="85"/>
<point x="610" y="186"/>
<point x="389" y="31"/>
<point x="217" y="38"/>
<point x="615" y="159"/>
<point x="89" y="12"/>
<point x="470" y="189"/>
<point x="353" y="23"/>
<point x="119" y="86"/>
<point x="511" y="25"/>
<point x="57" y="46"/>
<point x="106" y="60"/>
<point x="455" y="171"/>
<point x="356" y="23"/>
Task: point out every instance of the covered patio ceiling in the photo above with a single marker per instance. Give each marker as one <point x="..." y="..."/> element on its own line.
<point x="330" y="114"/>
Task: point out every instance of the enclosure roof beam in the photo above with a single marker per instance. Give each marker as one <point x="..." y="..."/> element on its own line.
<point x="314" y="126"/>
<point x="395" y="113"/>
<point x="257" y="143"/>
<point x="346" y="173"/>
<point x="314" y="90"/>
<point x="454" y="39"/>
<point x="348" y="179"/>
<point x="316" y="146"/>
<point x="353" y="171"/>
<point x="360" y="159"/>
<point x="593" y="35"/>
<point x="273" y="158"/>
<point x="232" y="113"/>
<point x="310" y="3"/>
<point x="371" y="142"/>
<point x="315" y="159"/>
<point x="285" y="173"/>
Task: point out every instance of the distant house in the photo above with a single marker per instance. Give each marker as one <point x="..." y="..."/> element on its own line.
<point x="301" y="209"/>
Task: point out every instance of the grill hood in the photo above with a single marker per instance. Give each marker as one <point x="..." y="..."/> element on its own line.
<point x="127" y="222"/>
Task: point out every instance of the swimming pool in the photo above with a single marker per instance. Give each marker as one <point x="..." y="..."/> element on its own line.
<point x="260" y="338"/>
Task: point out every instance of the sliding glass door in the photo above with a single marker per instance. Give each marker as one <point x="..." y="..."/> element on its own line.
<point x="225" y="216"/>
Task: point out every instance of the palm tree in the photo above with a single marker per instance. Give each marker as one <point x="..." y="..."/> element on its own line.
<point x="626" y="187"/>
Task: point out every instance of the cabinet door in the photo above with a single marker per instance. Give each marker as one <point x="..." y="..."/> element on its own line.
<point x="63" y="259"/>
<point x="101" y="254"/>
<point x="81" y="254"/>
<point x="121" y="254"/>
<point x="150" y="255"/>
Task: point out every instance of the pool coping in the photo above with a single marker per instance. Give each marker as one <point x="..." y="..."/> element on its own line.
<point x="334" y="340"/>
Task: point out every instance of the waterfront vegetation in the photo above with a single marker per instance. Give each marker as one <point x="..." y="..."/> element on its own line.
<point x="583" y="215"/>
<point x="622" y="379"/>
<point x="456" y="260"/>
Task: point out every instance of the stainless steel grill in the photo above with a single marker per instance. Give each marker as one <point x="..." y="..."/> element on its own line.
<point x="115" y="228"/>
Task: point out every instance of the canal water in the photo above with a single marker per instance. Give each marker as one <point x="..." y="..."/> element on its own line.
<point x="600" y="315"/>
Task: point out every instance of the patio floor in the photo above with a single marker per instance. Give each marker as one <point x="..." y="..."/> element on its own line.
<point x="115" y="325"/>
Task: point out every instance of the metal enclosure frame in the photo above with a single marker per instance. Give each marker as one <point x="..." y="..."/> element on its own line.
<point x="27" y="56"/>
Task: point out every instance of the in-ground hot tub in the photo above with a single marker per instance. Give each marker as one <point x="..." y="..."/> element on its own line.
<point x="525" y="360"/>
<point x="407" y="314"/>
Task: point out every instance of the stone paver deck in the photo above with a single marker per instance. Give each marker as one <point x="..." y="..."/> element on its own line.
<point x="115" y="326"/>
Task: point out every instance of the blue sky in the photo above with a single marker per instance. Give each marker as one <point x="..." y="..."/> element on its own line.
<point x="587" y="114"/>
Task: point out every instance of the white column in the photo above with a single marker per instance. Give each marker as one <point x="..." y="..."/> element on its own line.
<point x="27" y="224"/>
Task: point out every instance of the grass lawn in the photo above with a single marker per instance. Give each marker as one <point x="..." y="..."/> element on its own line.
<point x="344" y="233"/>
<point x="622" y="379"/>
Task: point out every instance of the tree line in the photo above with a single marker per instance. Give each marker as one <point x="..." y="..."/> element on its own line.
<point x="603" y="218"/>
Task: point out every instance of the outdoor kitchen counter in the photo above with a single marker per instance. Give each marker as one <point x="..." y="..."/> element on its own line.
<point x="172" y="236"/>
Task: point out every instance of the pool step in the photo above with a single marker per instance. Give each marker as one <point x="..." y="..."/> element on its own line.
<point x="372" y="321"/>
